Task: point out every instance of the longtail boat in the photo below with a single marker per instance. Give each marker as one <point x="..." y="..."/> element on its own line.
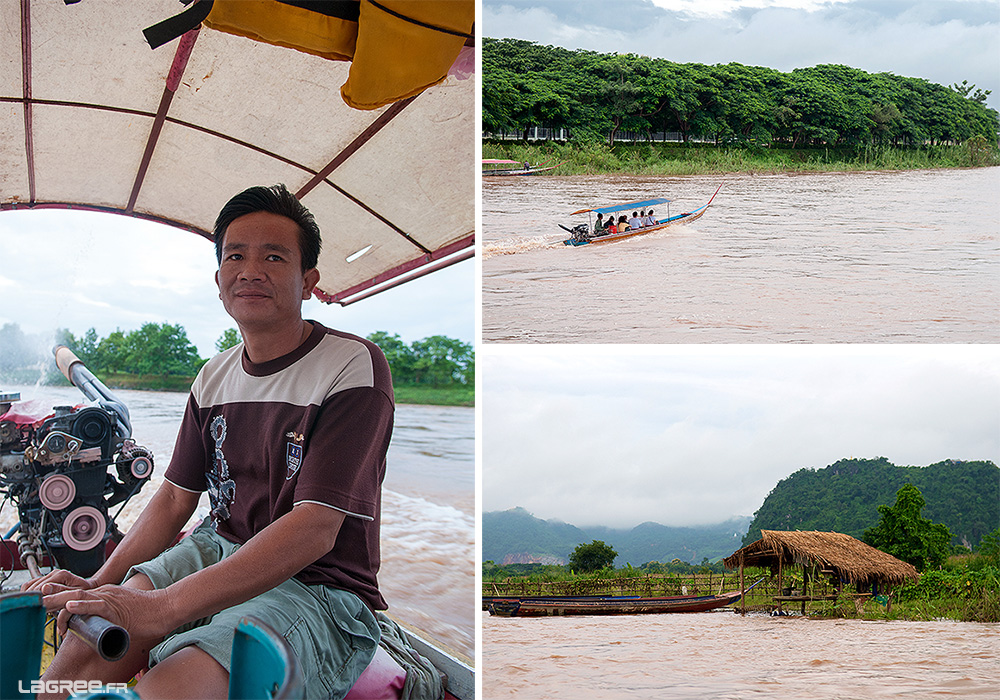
<point x="585" y="234"/>
<point x="537" y="606"/>
<point x="495" y="166"/>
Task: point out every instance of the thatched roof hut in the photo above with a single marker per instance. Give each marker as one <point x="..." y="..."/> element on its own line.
<point x="849" y="559"/>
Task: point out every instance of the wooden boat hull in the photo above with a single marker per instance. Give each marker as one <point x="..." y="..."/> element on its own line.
<point x="522" y="171"/>
<point x="557" y="606"/>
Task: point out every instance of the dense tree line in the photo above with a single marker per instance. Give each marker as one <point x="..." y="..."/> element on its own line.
<point x="154" y="349"/>
<point x="845" y="497"/>
<point x="165" y="350"/>
<point x="436" y="360"/>
<point x="595" y="96"/>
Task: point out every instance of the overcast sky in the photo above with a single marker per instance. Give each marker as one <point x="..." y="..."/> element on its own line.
<point x="80" y="270"/>
<point x="687" y="435"/>
<point x="944" y="41"/>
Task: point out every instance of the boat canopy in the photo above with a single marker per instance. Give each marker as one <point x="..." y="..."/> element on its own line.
<point x="627" y="205"/>
<point x="93" y="118"/>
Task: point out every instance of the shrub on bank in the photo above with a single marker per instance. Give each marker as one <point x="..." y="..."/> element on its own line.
<point x="675" y="159"/>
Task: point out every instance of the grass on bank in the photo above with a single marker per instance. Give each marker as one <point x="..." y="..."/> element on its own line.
<point x="966" y="589"/>
<point x="675" y="159"/>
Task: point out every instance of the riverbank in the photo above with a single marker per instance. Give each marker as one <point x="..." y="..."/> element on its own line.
<point x="420" y="394"/>
<point x="966" y="591"/>
<point x="676" y="159"/>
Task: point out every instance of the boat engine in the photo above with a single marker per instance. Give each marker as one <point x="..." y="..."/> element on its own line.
<point x="580" y="233"/>
<point x="66" y="469"/>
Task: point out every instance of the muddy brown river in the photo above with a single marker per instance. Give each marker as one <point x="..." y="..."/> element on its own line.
<point x="869" y="257"/>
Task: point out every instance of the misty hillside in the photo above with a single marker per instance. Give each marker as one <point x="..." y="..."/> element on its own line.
<point x="516" y="536"/>
<point x="844" y="497"/>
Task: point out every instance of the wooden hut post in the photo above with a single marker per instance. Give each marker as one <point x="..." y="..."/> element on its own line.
<point x="781" y="590"/>
<point x="805" y="574"/>
<point x="743" y="591"/>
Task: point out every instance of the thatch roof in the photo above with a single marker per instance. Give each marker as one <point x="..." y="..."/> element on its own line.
<point x="851" y="559"/>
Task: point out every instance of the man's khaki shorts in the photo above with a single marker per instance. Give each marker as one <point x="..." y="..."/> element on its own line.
<point x="332" y="631"/>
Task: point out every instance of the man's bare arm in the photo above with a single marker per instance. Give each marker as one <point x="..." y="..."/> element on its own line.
<point x="272" y="556"/>
<point x="154" y="530"/>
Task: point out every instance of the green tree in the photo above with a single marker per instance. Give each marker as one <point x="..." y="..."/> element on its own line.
<point x="112" y="353"/>
<point x="161" y="349"/>
<point x="441" y="360"/>
<point x="229" y="338"/>
<point x="905" y="535"/>
<point x="989" y="546"/>
<point x="592" y="557"/>
<point x="398" y="354"/>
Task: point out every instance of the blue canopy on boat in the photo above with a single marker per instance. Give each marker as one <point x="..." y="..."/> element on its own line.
<point x="627" y="205"/>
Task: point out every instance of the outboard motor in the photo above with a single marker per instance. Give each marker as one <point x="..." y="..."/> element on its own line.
<point x="67" y="469"/>
<point x="580" y="233"/>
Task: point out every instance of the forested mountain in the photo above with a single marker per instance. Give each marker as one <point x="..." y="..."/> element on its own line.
<point x="596" y="95"/>
<point x="844" y="497"/>
<point x="516" y="536"/>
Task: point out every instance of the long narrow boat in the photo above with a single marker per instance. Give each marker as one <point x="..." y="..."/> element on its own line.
<point x="609" y="605"/>
<point x="583" y="234"/>
<point x="494" y="166"/>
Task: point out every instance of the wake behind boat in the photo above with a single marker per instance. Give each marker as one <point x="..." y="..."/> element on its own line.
<point x="614" y="229"/>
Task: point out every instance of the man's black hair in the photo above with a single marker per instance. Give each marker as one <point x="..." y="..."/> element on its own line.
<point x="275" y="200"/>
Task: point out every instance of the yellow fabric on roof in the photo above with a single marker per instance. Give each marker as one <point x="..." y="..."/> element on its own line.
<point x="285" y="25"/>
<point x="395" y="59"/>
<point x="392" y="58"/>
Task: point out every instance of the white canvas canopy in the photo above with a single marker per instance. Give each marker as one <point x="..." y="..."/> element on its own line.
<point x="91" y="117"/>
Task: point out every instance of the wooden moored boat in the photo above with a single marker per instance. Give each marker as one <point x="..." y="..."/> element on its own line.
<point x="583" y="234"/>
<point x="495" y="166"/>
<point x="607" y="605"/>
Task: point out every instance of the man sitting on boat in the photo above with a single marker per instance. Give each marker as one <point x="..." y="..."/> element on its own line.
<point x="599" y="228"/>
<point x="288" y="433"/>
<point x="635" y="222"/>
<point x="650" y="220"/>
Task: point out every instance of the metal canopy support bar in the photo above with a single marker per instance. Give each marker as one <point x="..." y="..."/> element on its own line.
<point x="181" y="57"/>
<point x="15" y="206"/>
<point x="351" y="148"/>
<point x="381" y="121"/>
<point x="29" y="146"/>
<point x="343" y="297"/>
<point x="464" y="255"/>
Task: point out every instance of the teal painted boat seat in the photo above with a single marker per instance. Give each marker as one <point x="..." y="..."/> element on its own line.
<point x="263" y="665"/>
<point x="20" y="650"/>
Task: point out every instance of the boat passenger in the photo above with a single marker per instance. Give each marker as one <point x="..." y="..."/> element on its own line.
<point x="622" y="224"/>
<point x="611" y="228"/>
<point x="599" y="227"/>
<point x="650" y="219"/>
<point x="293" y="537"/>
<point x="635" y="222"/>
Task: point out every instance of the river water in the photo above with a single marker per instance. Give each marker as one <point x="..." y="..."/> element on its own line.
<point x="869" y="257"/>
<point x="721" y="655"/>
<point x="428" y="504"/>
